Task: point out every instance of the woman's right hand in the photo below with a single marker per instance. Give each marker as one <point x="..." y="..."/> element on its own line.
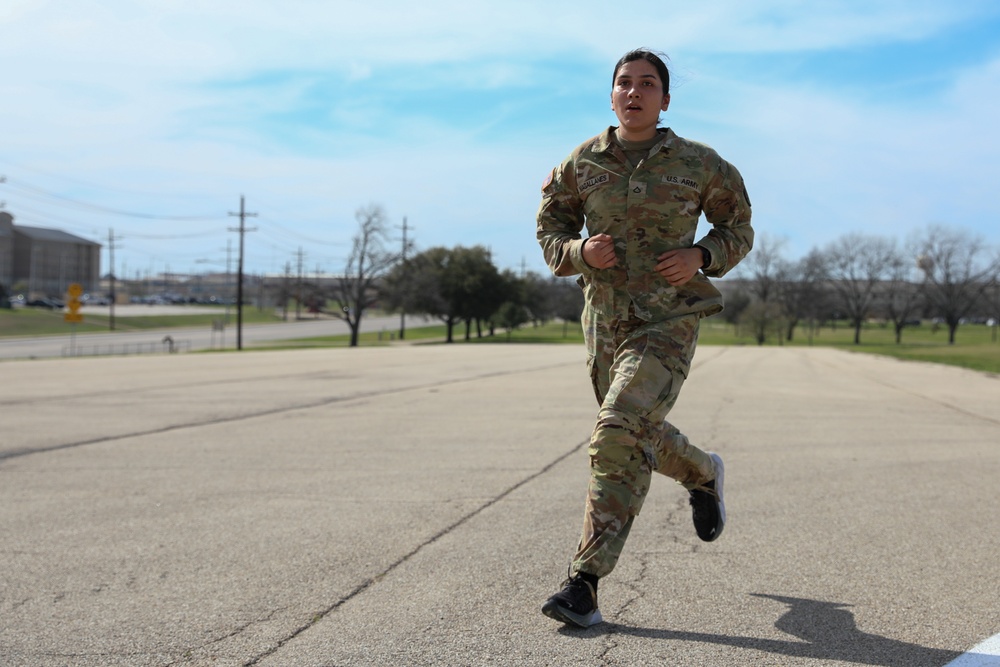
<point x="599" y="251"/>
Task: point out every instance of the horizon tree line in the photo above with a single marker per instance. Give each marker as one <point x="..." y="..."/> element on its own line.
<point x="942" y="273"/>
<point x="938" y="272"/>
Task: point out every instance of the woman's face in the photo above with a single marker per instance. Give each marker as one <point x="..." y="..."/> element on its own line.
<point x="637" y="99"/>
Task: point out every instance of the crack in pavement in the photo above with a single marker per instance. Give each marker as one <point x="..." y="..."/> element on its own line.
<point x="213" y="421"/>
<point x="368" y="583"/>
<point x="189" y="654"/>
<point x="915" y="394"/>
<point x="132" y="391"/>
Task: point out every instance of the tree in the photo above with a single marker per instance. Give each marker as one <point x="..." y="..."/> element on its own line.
<point x="800" y="290"/>
<point x="367" y="264"/>
<point x="511" y="315"/>
<point x="763" y="318"/>
<point x="900" y="291"/>
<point x="507" y="289"/>
<point x="856" y="264"/>
<point x="474" y="285"/>
<point x="993" y="298"/>
<point x="761" y="271"/>
<point x="737" y="302"/>
<point x="454" y="285"/>
<point x="424" y="290"/>
<point x="567" y="300"/>
<point x="956" y="273"/>
<point x="536" y="295"/>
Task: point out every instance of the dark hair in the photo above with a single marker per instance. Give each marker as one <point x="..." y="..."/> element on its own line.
<point x="653" y="58"/>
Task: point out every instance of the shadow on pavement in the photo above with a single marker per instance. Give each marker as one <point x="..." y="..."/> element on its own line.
<point x="827" y="632"/>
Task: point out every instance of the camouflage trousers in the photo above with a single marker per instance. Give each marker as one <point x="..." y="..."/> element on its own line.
<point x="637" y="369"/>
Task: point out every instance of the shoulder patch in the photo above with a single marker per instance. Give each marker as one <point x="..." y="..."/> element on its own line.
<point x="548" y="180"/>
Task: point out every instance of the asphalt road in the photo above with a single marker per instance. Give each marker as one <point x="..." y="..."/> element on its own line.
<point x="415" y="506"/>
<point x="123" y="341"/>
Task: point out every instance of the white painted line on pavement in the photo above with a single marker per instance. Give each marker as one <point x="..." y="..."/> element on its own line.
<point x="984" y="654"/>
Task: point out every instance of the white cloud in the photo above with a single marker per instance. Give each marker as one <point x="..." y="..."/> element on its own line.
<point x="162" y="105"/>
<point x="819" y="164"/>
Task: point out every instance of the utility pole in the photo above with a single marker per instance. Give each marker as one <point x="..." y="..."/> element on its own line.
<point x="112" y="296"/>
<point x="298" y="287"/>
<point x="243" y="215"/>
<point x="402" y="310"/>
<point x="320" y="302"/>
<point x="287" y="292"/>
<point x="229" y="276"/>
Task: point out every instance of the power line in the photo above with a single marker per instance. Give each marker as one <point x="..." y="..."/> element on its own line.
<point x="298" y="235"/>
<point x="31" y="190"/>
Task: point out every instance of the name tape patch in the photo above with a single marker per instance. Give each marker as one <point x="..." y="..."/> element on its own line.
<point x="682" y="181"/>
<point x="594" y="182"/>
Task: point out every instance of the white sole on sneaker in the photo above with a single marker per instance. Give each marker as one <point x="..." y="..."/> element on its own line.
<point x="720" y="475"/>
<point x="570" y="618"/>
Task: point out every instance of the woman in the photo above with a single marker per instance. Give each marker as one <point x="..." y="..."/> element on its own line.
<point x="639" y="190"/>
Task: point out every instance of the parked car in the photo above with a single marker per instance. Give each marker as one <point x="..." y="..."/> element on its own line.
<point x="95" y="300"/>
<point x="51" y="304"/>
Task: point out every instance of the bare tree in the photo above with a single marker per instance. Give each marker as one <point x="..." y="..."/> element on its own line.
<point x="368" y="262"/>
<point x="856" y="264"/>
<point x="993" y="297"/>
<point x="762" y="272"/>
<point x="901" y="292"/>
<point x="957" y="273"/>
<point x="764" y="318"/>
<point x="801" y="292"/>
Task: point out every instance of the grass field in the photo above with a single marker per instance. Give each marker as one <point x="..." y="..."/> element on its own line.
<point x="40" y="322"/>
<point x="976" y="346"/>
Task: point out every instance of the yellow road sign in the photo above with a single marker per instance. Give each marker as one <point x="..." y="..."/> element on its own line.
<point x="73" y="314"/>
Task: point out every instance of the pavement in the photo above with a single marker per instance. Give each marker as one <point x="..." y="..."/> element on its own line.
<point x="415" y="505"/>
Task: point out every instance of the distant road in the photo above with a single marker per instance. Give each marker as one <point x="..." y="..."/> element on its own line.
<point x="185" y="338"/>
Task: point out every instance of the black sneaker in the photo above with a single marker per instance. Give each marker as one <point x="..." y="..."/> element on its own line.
<point x="575" y="604"/>
<point x="708" y="508"/>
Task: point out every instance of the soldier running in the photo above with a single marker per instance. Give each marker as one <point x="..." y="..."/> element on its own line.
<point x="639" y="190"/>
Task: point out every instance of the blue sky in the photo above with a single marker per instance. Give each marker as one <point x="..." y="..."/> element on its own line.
<point x="152" y="118"/>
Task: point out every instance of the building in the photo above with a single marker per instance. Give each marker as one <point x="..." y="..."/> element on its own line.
<point x="6" y="252"/>
<point x="44" y="261"/>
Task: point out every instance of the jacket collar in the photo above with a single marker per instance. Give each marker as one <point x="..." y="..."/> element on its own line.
<point x="605" y="140"/>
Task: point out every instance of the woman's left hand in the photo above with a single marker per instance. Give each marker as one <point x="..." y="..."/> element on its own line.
<point x="679" y="266"/>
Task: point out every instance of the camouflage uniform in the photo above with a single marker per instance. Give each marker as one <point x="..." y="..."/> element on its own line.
<point x="639" y="330"/>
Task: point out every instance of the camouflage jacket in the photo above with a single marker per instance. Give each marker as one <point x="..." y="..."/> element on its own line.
<point x="647" y="211"/>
